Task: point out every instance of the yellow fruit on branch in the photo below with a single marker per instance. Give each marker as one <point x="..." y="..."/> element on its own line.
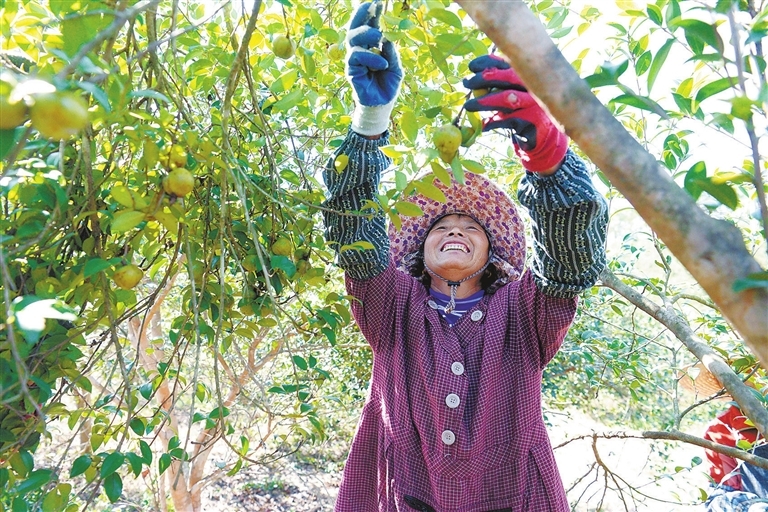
<point x="447" y="140"/>
<point x="283" y="47"/>
<point x="127" y="276"/>
<point x="340" y="163"/>
<point x="13" y="112"/>
<point x="58" y="115"/>
<point x="337" y="52"/>
<point x="179" y="182"/>
<point x="174" y="156"/>
<point x="282" y="247"/>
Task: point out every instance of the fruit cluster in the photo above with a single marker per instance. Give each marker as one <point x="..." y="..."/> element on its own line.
<point x="55" y="114"/>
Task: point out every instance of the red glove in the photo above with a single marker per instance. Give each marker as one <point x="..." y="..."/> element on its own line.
<point x="538" y="141"/>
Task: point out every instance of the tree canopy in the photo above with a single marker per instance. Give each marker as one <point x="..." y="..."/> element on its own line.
<point x="166" y="287"/>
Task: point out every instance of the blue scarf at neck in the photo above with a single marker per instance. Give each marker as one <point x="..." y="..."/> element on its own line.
<point x="462" y="305"/>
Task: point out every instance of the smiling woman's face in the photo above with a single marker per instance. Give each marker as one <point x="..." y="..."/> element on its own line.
<point x="456" y="247"/>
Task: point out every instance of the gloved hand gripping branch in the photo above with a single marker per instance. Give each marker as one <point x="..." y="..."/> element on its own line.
<point x="539" y="143"/>
<point x="373" y="69"/>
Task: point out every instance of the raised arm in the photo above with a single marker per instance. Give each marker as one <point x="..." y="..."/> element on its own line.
<point x="569" y="216"/>
<point x="354" y="225"/>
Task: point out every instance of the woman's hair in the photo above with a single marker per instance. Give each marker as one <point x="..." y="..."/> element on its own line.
<point x="413" y="263"/>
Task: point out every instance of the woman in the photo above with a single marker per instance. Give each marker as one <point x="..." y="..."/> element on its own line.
<point x="460" y="334"/>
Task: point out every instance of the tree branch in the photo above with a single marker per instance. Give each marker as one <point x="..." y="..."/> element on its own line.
<point x="749" y="404"/>
<point x="675" y="435"/>
<point x="713" y="251"/>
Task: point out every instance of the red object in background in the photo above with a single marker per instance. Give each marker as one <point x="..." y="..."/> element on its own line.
<point x="729" y="427"/>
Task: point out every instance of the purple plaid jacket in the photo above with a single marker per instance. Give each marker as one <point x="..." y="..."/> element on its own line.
<point x="453" y="419"/>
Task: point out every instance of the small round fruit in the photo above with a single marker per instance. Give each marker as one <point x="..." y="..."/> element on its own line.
<point x="302" y="266"/>
<point x="282" y="247"/>
<point x="12" y="112"/>
<point x="337" y="52"/>
<point x="283" y="47"/>
<point x="447" y="157"/>
<point x="251" y="263"/>
<point x="58" y="115"/>
<point x="479" y="92"/>
<point x="340" y="163"/>
<point x="179" y="182"/>
<point x="447" y="139"/>
<point x="174" y="157"/>
<point x="128" y="276"/>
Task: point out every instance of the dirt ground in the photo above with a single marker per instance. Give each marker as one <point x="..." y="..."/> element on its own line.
<point x="292" y="486"/>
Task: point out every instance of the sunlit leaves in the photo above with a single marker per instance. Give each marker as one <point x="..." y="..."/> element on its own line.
<point x="697" y="181"/>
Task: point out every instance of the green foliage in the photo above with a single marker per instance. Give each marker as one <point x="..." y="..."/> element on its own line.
<point x="248" y="339"/>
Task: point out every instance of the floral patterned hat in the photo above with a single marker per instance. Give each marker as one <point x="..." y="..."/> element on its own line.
<point x="482" y="200"/>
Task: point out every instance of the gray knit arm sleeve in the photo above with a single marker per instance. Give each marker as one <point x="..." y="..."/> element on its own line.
<point x="569" y="222"/>
<point x="351" y="214"/>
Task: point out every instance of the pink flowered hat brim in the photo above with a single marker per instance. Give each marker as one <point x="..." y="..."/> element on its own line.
<point x="479" y="198"/>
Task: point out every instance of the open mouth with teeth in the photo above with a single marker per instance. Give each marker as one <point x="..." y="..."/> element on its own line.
<point x="454" y="247"/>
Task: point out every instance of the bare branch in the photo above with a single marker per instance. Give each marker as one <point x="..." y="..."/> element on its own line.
<point x="667" y="316"/>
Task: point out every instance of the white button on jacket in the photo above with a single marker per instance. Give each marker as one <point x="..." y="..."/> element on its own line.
<point x="452" y="400"/>
<point x="457" y="368"/>
<point x="448" y="437"/>
<point x="476" y="315"/>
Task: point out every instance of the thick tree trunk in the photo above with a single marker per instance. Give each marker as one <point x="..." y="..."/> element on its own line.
<point x="713" y="251"/>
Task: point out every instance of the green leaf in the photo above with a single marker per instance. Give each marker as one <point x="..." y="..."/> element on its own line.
<point x="741" y="107"/>
<point x="453" y="44"/>
<point x="698" y="32"/>
<point x="290" y="100"/>
<point x="641" y="102"/>
<point x="608" y="74"/>
<point x="643" y="63"/>
<point x="757" y="280"/>
<point x="409" y="125"/>
<point x="112" y="463"/>
<point x="427" y="189"/>
<point x="712" y="88"/>
<point x="31" y="312"/>
<point x="136" y="463"/>
<point x="408" y="209"/>
<point x="401" y="180"/>
<point x="79" y="465"/>
<point x="285" y="82"/>
<point x="22" y="463"/>
<point x="149" y="93"/>
<point x="137" y="425"/>
<point x="457" y="170"/>
<point x="658" y="62"/>
<point x="300" y="362"/>
<point x="446" y="17"/>
<point x="34" y="481"/>
<point x="672" y="13"/>
<point x="94" y="266"/>
<point x="694" y="175"/>
<point x="723" y="192"/>
<point x="80" y="29"/>
<point x="283" y="263"/>
<point x="440" y="173"/>
<point x="163" y="463"/>
<point x="146" y="452"/>
<point x="330" y="335"/>
<point x="473" y="167"/>
<point x="654" y="14"/>
<point x="126" y="220"/>
<point x="113" y="487"/>
<point x="8" y="139"/>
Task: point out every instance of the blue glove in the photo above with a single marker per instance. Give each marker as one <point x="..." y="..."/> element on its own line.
<point x="373" y="69"/>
